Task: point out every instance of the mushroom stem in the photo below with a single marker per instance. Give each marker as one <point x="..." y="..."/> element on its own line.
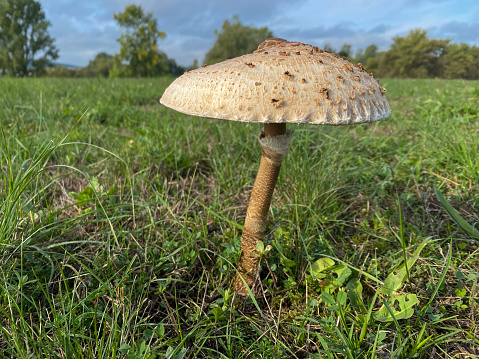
<point x="274" y="140"/>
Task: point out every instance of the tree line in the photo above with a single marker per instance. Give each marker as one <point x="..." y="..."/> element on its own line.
<point x="26" y="49"/>
<point x="418" y="56"/>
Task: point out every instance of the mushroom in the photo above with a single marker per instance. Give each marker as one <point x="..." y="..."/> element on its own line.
<point x="281" y="82"/>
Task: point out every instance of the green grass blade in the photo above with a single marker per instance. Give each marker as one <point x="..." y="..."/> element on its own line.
<point x="474" y="233"/>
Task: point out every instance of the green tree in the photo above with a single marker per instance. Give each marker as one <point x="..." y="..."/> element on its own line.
<point x="369" y="58"/>
<point x="25" y="45"/>
<point x="363" y="56"/>
<point x="460" y="61"/>
<point x="139" y="54"/>
<point x="345" y="51"/>
<point x="414" y="55"/>
<point x="329" y="48"/>
<point x="235" y="39"/>
<point x="61" y="72"/>
<point x="99" y="66"/>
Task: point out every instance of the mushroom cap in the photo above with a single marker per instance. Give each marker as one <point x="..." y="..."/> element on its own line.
<point x="281" y="82"/>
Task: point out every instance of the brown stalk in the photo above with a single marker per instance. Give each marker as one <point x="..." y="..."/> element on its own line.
<point x="257" y="213"/>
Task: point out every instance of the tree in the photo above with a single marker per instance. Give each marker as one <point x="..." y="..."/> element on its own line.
<point x="369" y="58"/>
<point x="345" y="51"/>
<point x="99" y="66"/>
<point x="139" y="55"/>
<point x="235" y="39"/>
<point x="414" y="55"/>
<point x="363" y="56"/>
<point x="25" y="45"/>
<point x="329" y="48"/>
<point x="460" y="61"/>
<point x="61" y="72"/>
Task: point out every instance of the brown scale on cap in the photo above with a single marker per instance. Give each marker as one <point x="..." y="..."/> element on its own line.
<point x="249" y="64"/>
<point x="356" y="78"/>
<point x="348" y="66"/>
<point x="340" y="79"/>
<point x="288" y="75"/>
<point x="325" y="92"/>
<point x="276" y="102"/>
<point x="269" y="43"/>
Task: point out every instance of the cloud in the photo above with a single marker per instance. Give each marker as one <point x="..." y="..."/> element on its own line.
<point x="338" y="30"/>
<point x="458" y="31"/>
<point x="339" y="34"/>
<point x="380" y="29"/>
<point x="83" y="28"/>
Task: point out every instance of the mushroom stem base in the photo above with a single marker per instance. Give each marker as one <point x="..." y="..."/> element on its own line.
<point x="274" y="140"/>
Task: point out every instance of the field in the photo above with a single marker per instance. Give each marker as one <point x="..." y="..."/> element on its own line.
<point x="120" y="226"/>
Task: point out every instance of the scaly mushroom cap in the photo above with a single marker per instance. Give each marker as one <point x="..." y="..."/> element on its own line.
<point x="281" y="82"/>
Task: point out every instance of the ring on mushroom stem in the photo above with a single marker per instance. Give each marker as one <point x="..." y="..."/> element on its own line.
<point x="281" y="82"/>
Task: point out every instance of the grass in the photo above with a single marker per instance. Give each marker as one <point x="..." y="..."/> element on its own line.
<point x="120" y="224"/>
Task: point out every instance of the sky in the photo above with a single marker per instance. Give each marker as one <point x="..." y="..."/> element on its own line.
<point x="83" y="28"/>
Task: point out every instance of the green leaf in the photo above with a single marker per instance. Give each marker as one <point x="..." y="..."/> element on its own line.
<point x="474" y="233"/>
<point x="459" y="275"/>
<point x="83" y="197"/>
<point x="461" y="292"/>
<point x="342" y="297"/>
<point x="260" y="246"/>
<point x="169" y="352"/>
<point x="406" y="303"/>
<point x="321" y="265"/>
<point x="396" y="278"/>
<point x="124" y="349"/>
<point x="343" y="272"/>
<point x="287" y="262"/>
<point x="160" y="330"/>
<point x="354" y="289"/>
<point x="328" y="298"/>
<point x="283" y="259"/>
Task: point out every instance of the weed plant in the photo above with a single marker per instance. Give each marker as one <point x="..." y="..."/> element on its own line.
<point x="120" y="225"/>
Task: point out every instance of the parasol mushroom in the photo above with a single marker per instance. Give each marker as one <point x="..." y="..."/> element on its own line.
<point x="281" y="82"/>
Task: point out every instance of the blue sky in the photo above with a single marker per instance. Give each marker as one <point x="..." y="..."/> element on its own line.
<point x="82" y="28"/>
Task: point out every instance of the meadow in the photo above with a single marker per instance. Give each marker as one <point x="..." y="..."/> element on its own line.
<point x="120" y="227"/>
